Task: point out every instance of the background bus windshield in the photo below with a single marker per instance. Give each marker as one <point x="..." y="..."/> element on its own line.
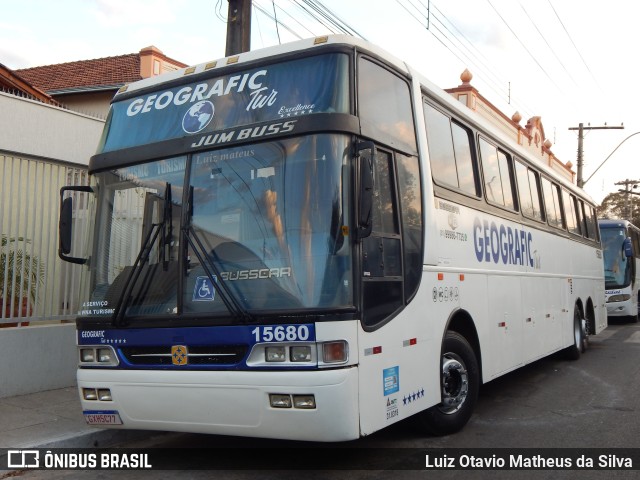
<point x="617" y="272"/>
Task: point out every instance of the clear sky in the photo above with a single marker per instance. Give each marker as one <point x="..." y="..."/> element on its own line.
<point x="568" y="61"/>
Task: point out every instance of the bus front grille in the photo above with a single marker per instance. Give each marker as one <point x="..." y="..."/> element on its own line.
<point x="200" y="355"/>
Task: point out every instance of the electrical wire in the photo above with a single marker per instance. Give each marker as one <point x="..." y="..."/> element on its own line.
<point x="548" y="45"/>
<point x="525" y="48"/>
<point x="468" y="59"/>
<point x="275" y="16"/>
<point x="574" y="45"/>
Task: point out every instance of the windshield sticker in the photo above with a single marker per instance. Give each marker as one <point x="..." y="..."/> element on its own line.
<point x="221" y="109"/>
<point x="256" y="274"/>
<point x="198" y="117"/>
<point x="299" y="109"/>
<point x="96" y="308"/>
<point x="244" y="134"/>
<point x="203" y="290"/>
<point x="199" y="92"/>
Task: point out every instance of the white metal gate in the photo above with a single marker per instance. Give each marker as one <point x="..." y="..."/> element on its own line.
<point x="35" y="285"/>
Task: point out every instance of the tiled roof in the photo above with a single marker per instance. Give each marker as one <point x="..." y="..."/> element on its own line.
<point x="13" y="84"/>
<point x="100" y="72"/>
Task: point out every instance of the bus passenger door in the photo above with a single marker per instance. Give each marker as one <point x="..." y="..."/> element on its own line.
<point x="383" y="373"/>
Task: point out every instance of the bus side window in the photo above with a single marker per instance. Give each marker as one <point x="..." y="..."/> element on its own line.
<point x="529" y="190"/>
<point x="498" y="175"/>
<point x="635" y="238"/>
<point x="410" y="196"/>
<point x="384" y="101"/>
<point x="450" y="147"/>
<point x="588" y="227"/>
<point x="571" y="214"/>
<point x="552" y="203"/>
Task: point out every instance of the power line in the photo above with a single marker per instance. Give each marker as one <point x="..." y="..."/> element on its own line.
<point x="574" y="45"/>
<point x="275" y="16"/>
<point x="468" y="59"/>
<point x="269" y="15"/>
<point x="525" y="47"/>
<point x="548" y="45"/>
<point x="331" y="17"/>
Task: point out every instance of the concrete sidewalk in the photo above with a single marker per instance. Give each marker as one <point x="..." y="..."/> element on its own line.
<point x="53" y="419"/>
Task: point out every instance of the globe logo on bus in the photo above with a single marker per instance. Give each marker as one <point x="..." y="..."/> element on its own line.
<point x="198" y="117"/>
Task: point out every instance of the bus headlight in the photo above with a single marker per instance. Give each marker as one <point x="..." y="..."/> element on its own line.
<point x="300" y="353"/>
<point x="275" y="354"/>
<point x="619" y="298"/>
<point x="87" y="355"/>
<point x="101" y="356"/>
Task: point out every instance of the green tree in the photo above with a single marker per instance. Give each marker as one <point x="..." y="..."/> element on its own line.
<point x="614" y="206"/>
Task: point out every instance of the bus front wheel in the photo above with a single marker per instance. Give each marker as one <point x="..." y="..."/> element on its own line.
<point x="459" y="385"/>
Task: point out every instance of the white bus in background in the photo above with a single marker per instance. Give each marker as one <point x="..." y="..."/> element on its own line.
<point x="313" y="242"/>
<point x="621" y="248"/>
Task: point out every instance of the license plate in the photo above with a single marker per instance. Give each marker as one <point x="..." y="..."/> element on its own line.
<point x="102" y="417"/>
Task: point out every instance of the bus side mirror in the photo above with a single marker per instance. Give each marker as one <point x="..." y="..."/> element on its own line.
<point x="66" y="210"/>
<point x="365" y="197"/>
<point x="627" y="247"/>
<point x="65" y="225"/>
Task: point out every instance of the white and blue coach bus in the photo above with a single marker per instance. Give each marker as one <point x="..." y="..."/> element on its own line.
<point x="621" y="249"/>
<point x="313" y="242"/>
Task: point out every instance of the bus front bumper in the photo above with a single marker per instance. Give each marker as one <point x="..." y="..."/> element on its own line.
<point x="225" y="402"/>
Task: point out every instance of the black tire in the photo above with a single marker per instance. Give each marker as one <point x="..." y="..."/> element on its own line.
<point x="460" y="383"/>
<point x="580" y="339"/>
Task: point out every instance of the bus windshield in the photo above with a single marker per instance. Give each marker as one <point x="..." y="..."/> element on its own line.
<point x="266" y="228"/>
<point x="617" y="268"/>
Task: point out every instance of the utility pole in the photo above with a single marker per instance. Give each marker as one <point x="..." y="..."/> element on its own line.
<point x="581" y="128"/>
<point x="238" y="27"/>
<point x="628" y="211"/>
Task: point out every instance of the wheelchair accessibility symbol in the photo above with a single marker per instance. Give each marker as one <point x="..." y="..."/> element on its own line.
<point x="203" y="290"/>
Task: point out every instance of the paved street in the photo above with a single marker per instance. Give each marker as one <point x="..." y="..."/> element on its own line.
<point x="553" y="403"/>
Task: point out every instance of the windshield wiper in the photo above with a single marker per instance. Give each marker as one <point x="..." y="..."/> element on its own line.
<point x="228" y="298"/>
<point x="143" y="257"/>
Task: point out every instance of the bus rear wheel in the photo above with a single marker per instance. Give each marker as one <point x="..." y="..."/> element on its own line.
<point x="580" y="338"/>
<point x="459" y="385"/>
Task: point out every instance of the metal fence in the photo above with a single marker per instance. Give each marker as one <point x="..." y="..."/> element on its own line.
<point x="35" y="285"/>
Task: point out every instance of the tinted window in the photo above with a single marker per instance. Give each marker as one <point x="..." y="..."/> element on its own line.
<point x="498" y="174"/>
<point x="450" y="151"/>
<point x="411" y="211"/>
<point x="385" y="106"/>
<point x="381" y="251"/>
<point x="528" y="187"/>
<point x="571" y="213"/>
<point x="552" y="203"/>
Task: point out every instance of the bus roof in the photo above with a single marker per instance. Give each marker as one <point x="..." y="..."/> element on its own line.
<point x="254" y="55"/>
<point x="433" y="90"/>
<point x="616" y="223"/>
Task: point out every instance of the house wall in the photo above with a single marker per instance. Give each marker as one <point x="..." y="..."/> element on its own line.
<point x="42" y="148"/>
<point x="93" y="104"/>
<point x="37" y="359"/>
<point x="32" y="128"/>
